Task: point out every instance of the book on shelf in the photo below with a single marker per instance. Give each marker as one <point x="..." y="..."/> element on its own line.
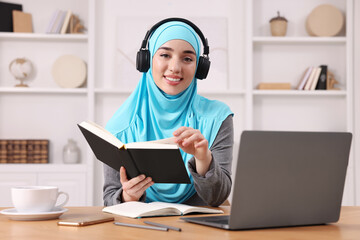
<point x="6" y="18"/>
<point x="161" y="160"/>
<point x="22" y="22"/>
<point x="315" y="79"/>
<point x="310" y="79"/>
<point x="274" y="86"/>
<point x="52" y="21"/>
<point x="322" y="82"/>
<point x="64" y="22"/>
<point x="65" y="25"/>
<point x="24" y="151"/>
<point x="38" y="151"/>
<point x="56" y="22"/>
<point x="60" y="22"/>
<point x="155" y="209"/>
<point x="304" y="78"/>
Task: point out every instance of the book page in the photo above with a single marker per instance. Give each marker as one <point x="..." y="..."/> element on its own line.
<point x="185" y="209"/>
<point x="102" y="132"/>
<point x="167" y="143"/>
<point x="141" y="209"/>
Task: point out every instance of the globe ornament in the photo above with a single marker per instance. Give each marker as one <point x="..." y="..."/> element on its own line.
<point x="21" y="68"/>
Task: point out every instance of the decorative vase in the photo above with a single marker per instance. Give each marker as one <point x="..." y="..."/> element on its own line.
<point x="71" y="152"/>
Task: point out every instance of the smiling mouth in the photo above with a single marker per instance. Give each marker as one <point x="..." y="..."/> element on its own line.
<point x="173" y="79"/>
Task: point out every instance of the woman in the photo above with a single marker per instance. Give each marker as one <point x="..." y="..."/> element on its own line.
<point x="165" y="103"/>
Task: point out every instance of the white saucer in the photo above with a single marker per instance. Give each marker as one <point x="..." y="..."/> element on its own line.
<point x="13" y="214"/>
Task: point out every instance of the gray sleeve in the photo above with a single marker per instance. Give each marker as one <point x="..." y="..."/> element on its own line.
<point x="214" y="188"/>
<point x="112" y="189"/>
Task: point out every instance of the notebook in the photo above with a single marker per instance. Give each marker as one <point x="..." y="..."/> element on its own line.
<point x="286" y="179"/>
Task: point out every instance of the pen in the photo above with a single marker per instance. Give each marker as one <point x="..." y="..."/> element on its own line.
<point x="141" y="226"/>
<point x="162" y="225"/>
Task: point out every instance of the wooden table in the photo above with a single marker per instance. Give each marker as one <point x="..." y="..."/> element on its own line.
<point x="347" y="228"/>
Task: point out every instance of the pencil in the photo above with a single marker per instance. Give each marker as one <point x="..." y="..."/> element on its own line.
<point x="141" y="226"/>
<point x="163" y="225"/>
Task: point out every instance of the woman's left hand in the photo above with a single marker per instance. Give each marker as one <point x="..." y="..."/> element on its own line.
<point x="193" y="142"/>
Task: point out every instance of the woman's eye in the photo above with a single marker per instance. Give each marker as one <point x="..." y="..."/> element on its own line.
<point x="188" y="59"/>
<point x="165" y="55"/>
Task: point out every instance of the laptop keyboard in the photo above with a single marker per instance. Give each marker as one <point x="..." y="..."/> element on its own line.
<point x="218" y="219"/>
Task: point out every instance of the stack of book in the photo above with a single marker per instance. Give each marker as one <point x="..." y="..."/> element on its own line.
<point x="59" y="22"/>
<point x="24" y="151"/>
<point x="314" y="78"/>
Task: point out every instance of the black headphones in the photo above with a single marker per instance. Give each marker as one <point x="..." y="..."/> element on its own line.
<point x="143" y="55"/>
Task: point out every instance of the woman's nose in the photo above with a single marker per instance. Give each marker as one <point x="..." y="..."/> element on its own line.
<point x="175" y="65"/>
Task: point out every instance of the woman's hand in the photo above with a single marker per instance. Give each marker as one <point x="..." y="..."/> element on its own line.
<point x="134" y="188"/>
<point x="193" y="142"/>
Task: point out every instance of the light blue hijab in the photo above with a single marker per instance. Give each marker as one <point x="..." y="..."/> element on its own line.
<point x="151" y="114"/>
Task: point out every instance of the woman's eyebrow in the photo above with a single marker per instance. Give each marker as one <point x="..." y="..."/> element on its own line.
<point x="189" y="51"/>
<point x="166" y="48"/>
<point x="170" y="49"/>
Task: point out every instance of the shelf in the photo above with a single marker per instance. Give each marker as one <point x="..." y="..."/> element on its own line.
<point x="299" y="93"/>
<point x="261" y="40"/>
<point x="43" y="36"/>
<point x="43" y="90"/>
<point x="221" y="92"/>
<point x="112" y="91"/>
<point x="47" y="168"/>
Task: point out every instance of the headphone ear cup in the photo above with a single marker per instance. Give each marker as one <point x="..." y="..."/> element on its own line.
<point x="143" y="60"/>
<point x="203" y="68"/>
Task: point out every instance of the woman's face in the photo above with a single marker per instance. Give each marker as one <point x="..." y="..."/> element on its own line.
<point x="173" y="66"/>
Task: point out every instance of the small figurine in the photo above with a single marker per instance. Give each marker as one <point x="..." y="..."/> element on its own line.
<point x="278" y="25"/>
<point x="331" y="81"/>
<point x="75" y="25"/>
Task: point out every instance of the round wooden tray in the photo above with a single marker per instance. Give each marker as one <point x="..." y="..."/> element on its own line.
<point x="325" y="21"/>
<point x="69" y="71"/>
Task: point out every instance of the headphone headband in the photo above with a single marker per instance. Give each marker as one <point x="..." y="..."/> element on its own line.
<point x="196" y="29"/>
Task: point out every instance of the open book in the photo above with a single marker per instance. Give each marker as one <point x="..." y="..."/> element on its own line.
<point x="154" y="209"/>
<point x="161" y="160"/>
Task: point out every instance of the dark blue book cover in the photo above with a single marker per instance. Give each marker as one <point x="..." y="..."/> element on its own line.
<point x="321" y="84"/>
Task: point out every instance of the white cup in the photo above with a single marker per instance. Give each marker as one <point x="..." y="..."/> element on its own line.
<point x="36" y="198"/>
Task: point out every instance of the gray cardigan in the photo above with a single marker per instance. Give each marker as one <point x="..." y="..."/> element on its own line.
<point x="211" y="189"/>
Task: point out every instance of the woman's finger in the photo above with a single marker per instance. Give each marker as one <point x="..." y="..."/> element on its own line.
<point x="194" y="138"/>
<point x="143" y="185"/>
<point x="123" y="176"/>
<point x="178" y="131"/>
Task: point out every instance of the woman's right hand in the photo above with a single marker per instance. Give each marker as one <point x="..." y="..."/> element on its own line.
<point x="134" y="188"/>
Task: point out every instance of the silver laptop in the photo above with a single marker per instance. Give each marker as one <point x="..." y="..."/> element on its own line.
<point x="286" y="179"/>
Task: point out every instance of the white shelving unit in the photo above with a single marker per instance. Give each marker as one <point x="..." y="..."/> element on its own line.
<point x="47" y="111"/>
<point x="44" y="110"/>
<point x="283" y="59"/>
